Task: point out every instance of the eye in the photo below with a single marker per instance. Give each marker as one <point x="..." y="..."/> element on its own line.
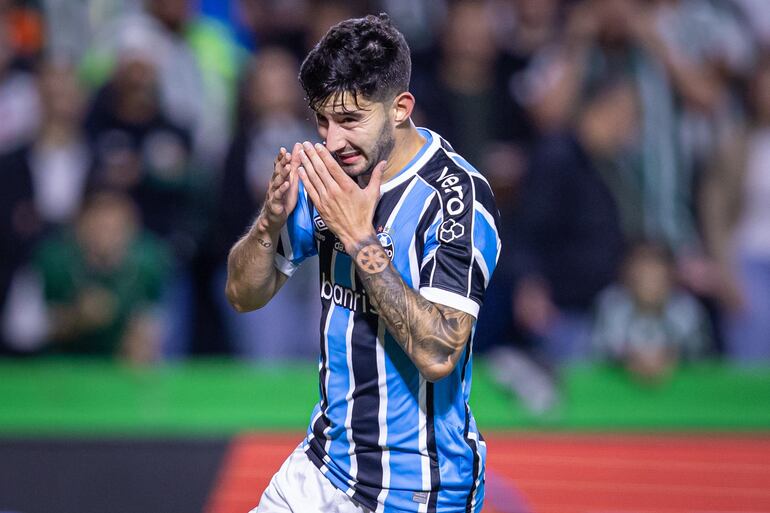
<point x="321" y="120"/>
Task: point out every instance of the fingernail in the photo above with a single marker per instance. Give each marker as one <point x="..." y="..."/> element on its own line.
<point x="319" y="146"/>
<point x="307" y="145"/>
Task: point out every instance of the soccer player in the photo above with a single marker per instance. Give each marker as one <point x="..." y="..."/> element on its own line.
<point x="406" y="236"/>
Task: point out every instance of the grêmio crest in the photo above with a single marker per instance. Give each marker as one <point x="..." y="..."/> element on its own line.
<point x="386" y="241"/>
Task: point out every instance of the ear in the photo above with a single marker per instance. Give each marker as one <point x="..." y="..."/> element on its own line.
<point x="403" y="105"/>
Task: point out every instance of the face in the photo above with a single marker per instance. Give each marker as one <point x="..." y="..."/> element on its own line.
<point x="649" y="279"/>
<point x="273" y="87"/>
<point x="612" y="119"/>
<point x="174" y="13"/>
<point x="536" y="12"/>
<point x="468" y="35"/>
<point x="105" y="230"/>
<point x="358" y="135"/>
<point x="61" y="94"/>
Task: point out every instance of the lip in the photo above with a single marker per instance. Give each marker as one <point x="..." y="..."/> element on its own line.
<point x="349" y="158"/>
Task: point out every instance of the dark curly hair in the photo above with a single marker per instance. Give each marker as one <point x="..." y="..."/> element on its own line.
<point x="365" y="57"/>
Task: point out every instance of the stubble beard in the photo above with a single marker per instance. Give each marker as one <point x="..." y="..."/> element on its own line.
<point x="379" y="152"/>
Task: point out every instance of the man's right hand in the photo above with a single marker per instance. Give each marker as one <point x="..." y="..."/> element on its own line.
<point x="282" y="192"/>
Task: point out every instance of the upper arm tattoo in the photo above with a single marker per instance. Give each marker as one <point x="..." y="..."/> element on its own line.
<point x="429" y="333"/>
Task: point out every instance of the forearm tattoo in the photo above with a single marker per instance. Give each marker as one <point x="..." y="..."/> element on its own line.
<point x="430" y="334"/>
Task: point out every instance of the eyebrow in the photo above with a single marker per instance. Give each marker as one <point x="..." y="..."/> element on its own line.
<point x="348" y="113"/>
<point x="358" y="113"/>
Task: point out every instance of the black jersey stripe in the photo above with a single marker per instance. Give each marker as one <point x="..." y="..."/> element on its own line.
<point x="326" y="263"/>
<point x="455" y="233"/>
<point x="322" y="422"/>
<point x="435" y="472"/>
<point x="476" y="461"/>
<point x="477" y="286"/>
<point x="365" y="422"/>
<point x="445" y="145"/>
<point x="283" y="241"/>
<point x="423" y="226"/>
<point x="389" y="200"/>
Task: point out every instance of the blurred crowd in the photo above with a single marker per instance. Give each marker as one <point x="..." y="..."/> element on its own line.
<point x="627" y="141"/>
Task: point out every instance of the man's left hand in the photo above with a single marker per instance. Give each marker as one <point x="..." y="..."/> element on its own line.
<point x="346" y="208"/>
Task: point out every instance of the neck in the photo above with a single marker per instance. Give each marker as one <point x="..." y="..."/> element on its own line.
<point x="408" y="144"/>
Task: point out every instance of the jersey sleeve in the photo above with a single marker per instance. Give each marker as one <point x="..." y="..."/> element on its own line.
<point x="462" y="245"/>
<point x="296" y="241"/>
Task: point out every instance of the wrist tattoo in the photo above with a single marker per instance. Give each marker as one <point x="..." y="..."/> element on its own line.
<point x="264" y="243"/>
<point x="372" y="259"/>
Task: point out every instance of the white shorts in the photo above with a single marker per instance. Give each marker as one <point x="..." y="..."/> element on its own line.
<point x="299" y="487"/>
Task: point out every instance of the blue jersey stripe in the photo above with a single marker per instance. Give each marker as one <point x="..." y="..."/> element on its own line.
<point x="404" y="226"/>
<point x="402" y="417"/>
<point x="486" y="241"/>
<point x="319" y="421"/>
<point x="339" y="382"/>
<point x="300" y="229"/>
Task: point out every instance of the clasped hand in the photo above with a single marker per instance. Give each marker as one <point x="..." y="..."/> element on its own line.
<point x="346" y="208"/>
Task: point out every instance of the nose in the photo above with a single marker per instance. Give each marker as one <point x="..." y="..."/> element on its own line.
<point x="335" y="137"/>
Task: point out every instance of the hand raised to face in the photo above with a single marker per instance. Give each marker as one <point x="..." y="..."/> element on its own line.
<point x="282" y="192"/>
<point x="345" y="207"/>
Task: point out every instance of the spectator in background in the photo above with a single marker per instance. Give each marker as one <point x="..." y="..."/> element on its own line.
<point x="195" y="61"/>
<point x="463" y="98"/>
<point x="277" y="23"/>
<point x="274" y="115"/>
<point x="24" y="23"/>
<point x="644" y="322"/>
<point x="139" y="150"/>
<point x="757" y="18"/>
<point x="58" y="160"/>
<point x="522" y="29"/>
<point x="607" y="40"/>
<point x="44" y="180"/>
<point x="736" y="209"/>
<point x="567" y="240"/>
<point x="19" y="100"/>
<point x="72" y="35"/>
<point x="143" y="153"/>
<point x="420" y="21"/>
<point x="708" y="48"/>
<point x="295" y="25"/>
<point x="102" y="283"/>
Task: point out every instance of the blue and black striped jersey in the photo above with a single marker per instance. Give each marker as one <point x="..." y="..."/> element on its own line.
<point x="380" y="432"/>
